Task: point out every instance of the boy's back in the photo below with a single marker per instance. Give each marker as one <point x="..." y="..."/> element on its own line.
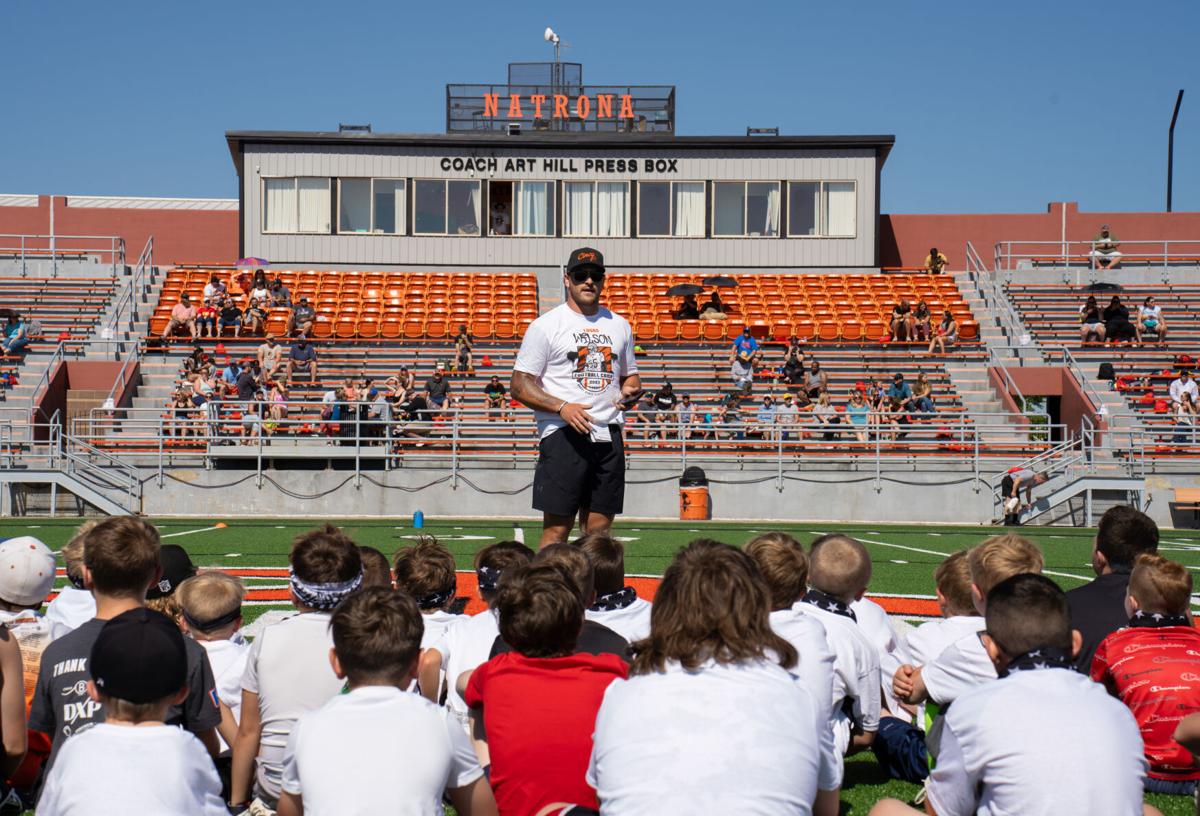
<point x="931" y="638"/>
<point x="122" y="770"/>
<point x="1071" y="749"/>
<point x="400" y="751"/>
<point x="464" y="645"/>
<point x="630" y="620"/>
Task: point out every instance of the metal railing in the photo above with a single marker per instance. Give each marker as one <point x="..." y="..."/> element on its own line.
<point x="125" y="311"/>
<point x="1013" y="255"/>
<point x="133" y="356"/>
<point x="991" y="290"/>
<point x="43" y="383"/>
<point x="61" y="247"/>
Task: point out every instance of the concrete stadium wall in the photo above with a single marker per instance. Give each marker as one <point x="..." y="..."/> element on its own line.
<point x="906" y="497"/>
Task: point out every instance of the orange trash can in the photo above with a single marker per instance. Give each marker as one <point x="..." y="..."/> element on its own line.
<point x="694" y="501"/>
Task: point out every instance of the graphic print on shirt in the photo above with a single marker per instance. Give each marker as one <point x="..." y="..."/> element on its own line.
<point x="79" y="712"/>
<point x="593" y="360"/>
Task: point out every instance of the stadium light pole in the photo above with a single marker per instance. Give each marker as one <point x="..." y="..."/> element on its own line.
<point x="1170" y="146"/>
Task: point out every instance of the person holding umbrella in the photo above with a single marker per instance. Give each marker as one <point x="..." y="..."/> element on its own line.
<point x="688" y="310"/>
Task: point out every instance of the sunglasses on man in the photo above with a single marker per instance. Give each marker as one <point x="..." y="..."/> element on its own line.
<point x="581" y="276"/>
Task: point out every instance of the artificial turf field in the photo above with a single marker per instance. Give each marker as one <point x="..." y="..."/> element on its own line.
<point x="904" y="558"/>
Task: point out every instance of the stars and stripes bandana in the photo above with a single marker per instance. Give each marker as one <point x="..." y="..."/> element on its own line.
<point x="614" y="600"/>
<point x="1142" y="618"/>
<point x="829" y="603"/>
<point x="323" y="596"/>
<point x="1047" y="657"/>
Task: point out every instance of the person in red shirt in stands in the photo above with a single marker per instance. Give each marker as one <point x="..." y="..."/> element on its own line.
<point x="1153" y="667"/>
<point x="540" y="701"/>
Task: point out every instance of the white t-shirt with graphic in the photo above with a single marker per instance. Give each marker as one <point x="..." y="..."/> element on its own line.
<point x="582" y="359"/>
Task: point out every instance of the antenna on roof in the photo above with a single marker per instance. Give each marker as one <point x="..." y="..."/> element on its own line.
<point x="345" y="128"/>
<point x="771" y="131"/>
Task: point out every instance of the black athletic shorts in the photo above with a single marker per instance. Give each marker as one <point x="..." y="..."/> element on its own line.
<point x="574" y="472"/>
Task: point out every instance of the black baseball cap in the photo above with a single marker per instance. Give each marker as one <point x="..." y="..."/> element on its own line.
<point x="139" y="656"/>
<point x="585" y="258"/>
<point x="177" y="567"/>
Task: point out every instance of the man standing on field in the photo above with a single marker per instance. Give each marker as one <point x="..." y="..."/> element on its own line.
<point x="576" y="370"/>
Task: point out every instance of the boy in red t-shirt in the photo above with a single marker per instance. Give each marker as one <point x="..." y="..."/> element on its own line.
<point x="1154" y="668"/>
<point x="540" y="701"/>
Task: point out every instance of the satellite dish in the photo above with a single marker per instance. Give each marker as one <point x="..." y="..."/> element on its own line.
<point x="549" y="35"/>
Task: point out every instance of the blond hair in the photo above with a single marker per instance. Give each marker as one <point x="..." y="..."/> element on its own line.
<point x="1001" y="557"/>
<point x="839" y="566"/>
<point x="72" y="553"/>
<point x="210" y="596"/>
<point x="783" y="565"/>
<point x="953" y="580"/>
<point x="1160" y="586"/>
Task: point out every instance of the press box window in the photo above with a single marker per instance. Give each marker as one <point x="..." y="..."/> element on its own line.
<point x="296" y="205"/>
<point x="671" y="208"/>
<point x="371" y="206"/>
<point x="596" y="209"/>
<point x="521" y="208"/>
<point x="746" y="209"/>
<point x="445" y="207"/>
<point x="822" y="209"/>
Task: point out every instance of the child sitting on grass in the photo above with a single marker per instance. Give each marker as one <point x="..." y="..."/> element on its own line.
<point x="426" y="572"/>
<point x="74" y="604"/>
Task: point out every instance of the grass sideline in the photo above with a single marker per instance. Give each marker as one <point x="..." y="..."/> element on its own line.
<point x="904" y="557"/>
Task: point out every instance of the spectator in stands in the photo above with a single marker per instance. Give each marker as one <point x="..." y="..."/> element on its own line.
<point x="664" y="410"/>
<point x="280" y="295"/>
<point x="16" y="335"/>
<point x="131" y="759"/>
<point x="277" y="407"/>
<point x="935" y="262"/>
<point x="121" y="562"/>
<point x="1091" y="322"/>
<point x="858" y="413"/>
<point x="922" y="395"/>
<point x="288" y="670"/>
<point x="903" y="322"/>
<point x="876" y="393"/>
<point x="1073" y="748"/>
<point x="1181" y="385"/>
<point x="259" y="289"/>
<point x="946" y="332"/>
<point x="214" y="291"/>
<point x="183" y="315"/>
<point x="616" y="605"/>
<point x="1117" y="328"/>
<point x="1185" y="421"/>
<point x="921" y="321"/>
<point x="964" y="664"/>
<point x="195" y="360"/>
<point x="826" y="416"/>
<point x="302" y="318"/>
<point x="1098" y="608"/>
<point x="425" y="570"/>
<point x="211" y="614"/>
<point x="793" y="362"/>
<point x="1150" y="321"/>
<point x="229" y="375"/>
<point x="816" y="381"/>
<point x="539" y="701"/>
<point x="230" y="317"/>
<point x="247" y="383"/>
<point x="1104" y="254"/>
<point x="255" y="318"/>
<point x="1160" y="649"/>
<point x="730" y="419"/>
<point x="270" y="357"/>
<point x="688" y="310"/>
<point x="400" y="751"/>
<point x="407" y="379"/>
<point x="302" y="357"/>
<point x="899" y="390"/>
<point x="787" y="417"/>
<point x="686" y="416"/>
<point x="713" y="308"/>
<point x="181" y="412"/>
<point x="437" y="389"/>
<point x="745" y="351"/>
<point x="463" y="347"/>
<point x="206" y="318"/>
<point x="895" y="416"/>
<point x="711" y="648"/>
<point x="495" y="398"/>
<point x="764" y="420"/>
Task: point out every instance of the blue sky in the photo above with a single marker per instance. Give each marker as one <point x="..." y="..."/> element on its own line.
<point x="997" y="107"/>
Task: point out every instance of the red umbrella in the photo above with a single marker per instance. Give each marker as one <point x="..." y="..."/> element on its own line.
<point x="253" y="262"/>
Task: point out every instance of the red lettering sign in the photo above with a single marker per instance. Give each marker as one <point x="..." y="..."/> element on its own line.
<point x="602" y="105"/>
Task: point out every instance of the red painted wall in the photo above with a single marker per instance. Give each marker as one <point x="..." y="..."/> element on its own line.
<point x="180" y="236"/>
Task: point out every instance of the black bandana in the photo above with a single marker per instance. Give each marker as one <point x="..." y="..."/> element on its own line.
<point x="435" y="600"/>
<point x="215" y="623"/>
<point x="829" y="603"/>
<point x="1046" y="657"/>
<point x="76" y="581"/>
<point x="614" y="600"/>
<point x="1141" y="618"/>
<point x="488" y="578"/>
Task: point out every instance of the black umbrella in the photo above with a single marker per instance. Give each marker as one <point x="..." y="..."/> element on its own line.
<point x="1104" y="287"/>
<point x="684" y="289"/>
<point x="720" y="280"/>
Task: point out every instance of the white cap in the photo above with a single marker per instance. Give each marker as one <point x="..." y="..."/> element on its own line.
<point x="26" y="571"/>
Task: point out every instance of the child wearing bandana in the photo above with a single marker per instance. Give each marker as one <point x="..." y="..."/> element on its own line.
<point x="1160" y="649"/>
<point x="616" y="606"/>
<point x="426" y="572"/>
<point x="288" y="670"/>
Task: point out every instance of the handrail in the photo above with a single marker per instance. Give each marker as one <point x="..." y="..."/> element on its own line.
<point x="44" y="381"/>
<point x="1010" y="255"/>
<point x="125" y="307"/>
<point x="988" y="285"/>
<point x="1014" y="390"/>
<point x="132" y="356"/>
<point x="34" y="246"/>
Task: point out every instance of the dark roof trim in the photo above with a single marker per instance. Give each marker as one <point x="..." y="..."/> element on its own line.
<point x="881" y="143"/>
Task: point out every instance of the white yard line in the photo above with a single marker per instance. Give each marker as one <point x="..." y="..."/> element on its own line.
<point x="193" y="532"/>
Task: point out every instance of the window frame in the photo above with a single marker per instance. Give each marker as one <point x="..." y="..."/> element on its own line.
<point x="712" y="225"/>
<point x="445" y="182"/>
<point x="823" y="209"/>
<point x="262" y="186"/>
<point x="596" y="210"/>
<point x="401" y="217"/>
<point x="704" y="190"/>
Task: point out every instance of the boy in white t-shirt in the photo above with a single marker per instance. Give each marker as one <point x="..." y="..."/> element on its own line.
<point x="839" y="572"/>
<point x="959" y="615"/>
<point x="426" y="572"/>
<point x="964" y="664"/>
<point x="74" y="604"/>
<point x="1070" y="748"/>
<point x="288" y="671"/>
<point x="377" y="748"/>
<point x="211" y="604"/>
<point x="133" y="762"/>
<point x="616" y="606"/>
